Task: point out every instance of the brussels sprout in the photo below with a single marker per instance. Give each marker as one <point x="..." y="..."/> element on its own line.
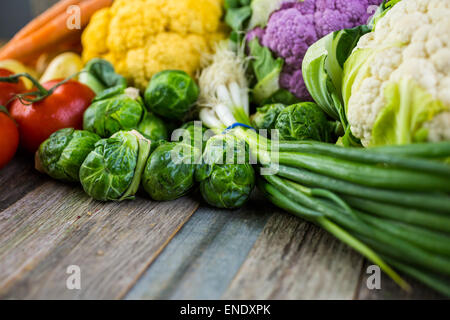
<point x="99" y="75"/>
<point x="193" y="133"/>
<point x="171" y="94"/>
<point x="116" y="109"/>
<point x="265" y="116"/>
<point x="303" y="121"/>
<point x="169" y="173"/>
<point x="62" y="155"/>
<point x="226" y="177"/>
<point x="153" y="127"/>
<point x="112" y="171"/>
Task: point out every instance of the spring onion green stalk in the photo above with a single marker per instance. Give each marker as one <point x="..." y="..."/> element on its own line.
<point x="425" y="201"/>
<point x="391" y="204"/>
<point x="422" y="218"/>
<point x="224" y="90"/>
<point x="279" y="198"/>
<point x="425" y="258"/>
<point x="366" y="175"/>
<point x="432" y="280"/>
<point x="379" y="154"/>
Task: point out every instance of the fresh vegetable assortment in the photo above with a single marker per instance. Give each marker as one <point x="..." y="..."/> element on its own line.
<point x="355" y="111"/>
<point x="280" y="32"/>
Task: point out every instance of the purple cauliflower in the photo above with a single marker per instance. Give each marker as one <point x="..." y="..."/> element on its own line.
<point x="295" y="26"/>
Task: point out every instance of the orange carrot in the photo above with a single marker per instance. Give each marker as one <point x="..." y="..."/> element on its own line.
<point x="53" y="32"/>
<point x="56" y="10"/>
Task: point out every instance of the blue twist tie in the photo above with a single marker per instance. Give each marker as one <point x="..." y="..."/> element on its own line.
<point x="238" y="124"/>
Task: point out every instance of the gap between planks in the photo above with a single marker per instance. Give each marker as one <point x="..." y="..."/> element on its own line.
<point x="204" y="256"/>
<point x="293" y="259"/>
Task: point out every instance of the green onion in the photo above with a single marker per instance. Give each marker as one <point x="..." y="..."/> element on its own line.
<point x="426" y="219"/>
<point x="389" y="203"/>
<point x="366" y="175"/>
<point x="370" y="156"/>
<point x="426" y="201"/>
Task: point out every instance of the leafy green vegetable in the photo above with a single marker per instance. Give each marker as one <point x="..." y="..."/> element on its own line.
<point x="112" y="171"/>
<point x="323" y="67"/>
<point x="267" y="71"/>
<point x="114" y="110"/>
<point x="226" y="177"/>
<point x="238" y="13"/>
<point x="195" y="134"/>
<point x="169" y="172"/>
<point x="303" y="121"/>
<point x="62" y="155"/>
<point x="226" y="149"/>
<point x="226" y="186"/>
<point x="100" y="75"/>
<point x="266" y="116"/>
<point x="408" y="107"/>
<point x="381" y="12"/>
<point x="153" y="127"/>
<point x="236" y="17"/>
<point x="282" y="96"/>
<point x="171" y="94"/>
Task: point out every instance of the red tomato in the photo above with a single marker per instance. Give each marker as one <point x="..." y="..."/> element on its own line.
<point x="9" y="90"/>
<point x="9" y="139"/>
<point x="62" y="109"/>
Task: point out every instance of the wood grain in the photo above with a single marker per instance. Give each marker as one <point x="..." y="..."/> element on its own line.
<point x="202" y="259"/>
<point x="253" y="253"/>
<point x="17" y="179"/>
<point x="293" y="259"/>
<point x="57" y="225"/>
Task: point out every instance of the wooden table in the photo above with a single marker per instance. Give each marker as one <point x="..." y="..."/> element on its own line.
<point x="174" y="250"/>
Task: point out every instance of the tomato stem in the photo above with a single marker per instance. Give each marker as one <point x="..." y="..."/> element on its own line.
<point x="28" y="98"/>
<point x="4" y="110"/>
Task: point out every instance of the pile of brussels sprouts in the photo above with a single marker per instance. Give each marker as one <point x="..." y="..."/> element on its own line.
<point x="125" y="144"/>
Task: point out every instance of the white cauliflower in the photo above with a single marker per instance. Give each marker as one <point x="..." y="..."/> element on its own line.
<point x="397" y="81"/>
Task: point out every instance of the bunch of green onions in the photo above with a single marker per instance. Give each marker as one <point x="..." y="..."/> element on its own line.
<point x="391" y="204"/>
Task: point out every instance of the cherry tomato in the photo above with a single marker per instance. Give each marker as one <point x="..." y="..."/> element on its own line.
<point x="9" y="138"/>
<point x="64" y="108"/>
<point x="9" y="90"/>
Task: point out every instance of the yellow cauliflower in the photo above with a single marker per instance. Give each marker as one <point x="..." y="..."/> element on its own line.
<point x="143" y="37"/>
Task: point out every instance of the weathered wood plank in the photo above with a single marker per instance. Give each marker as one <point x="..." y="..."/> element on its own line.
<point x="293" y="259"/>
<point x="57" y="225"/>
<point x="391" y="291"/>
<point x="202" y="259"/>
<point x="17" y="179"/>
